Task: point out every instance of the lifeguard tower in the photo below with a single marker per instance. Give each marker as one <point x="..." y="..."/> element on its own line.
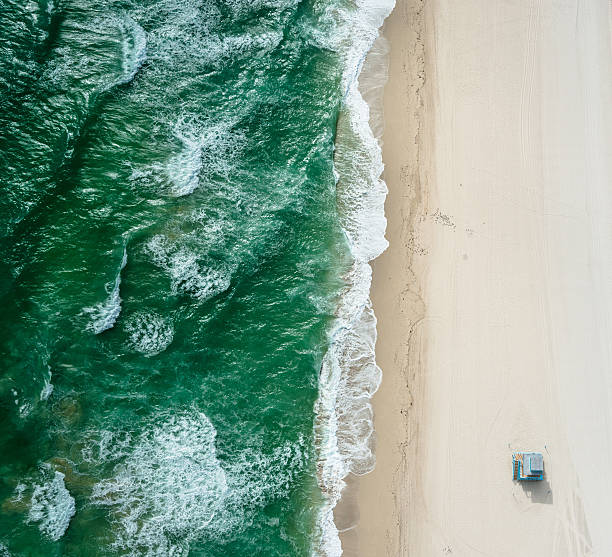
<point x="528" y="467"/>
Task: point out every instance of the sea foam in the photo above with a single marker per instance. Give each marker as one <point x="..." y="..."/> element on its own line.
<point x="188" y="273"/>
<point x="105" y="314"/>
<point x="51" y="506"/>
<point x="349" y="375"/>
<point x="206" y="149"/>
<point x="133" y="50"/>
<point x="149" y="333"/>
<point x="100" y="73"/>
<point x="169" y="490"/>
<point x="47" y="389"/>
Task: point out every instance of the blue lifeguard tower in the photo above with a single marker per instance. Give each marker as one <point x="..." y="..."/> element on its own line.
<point x="528" y="467"/>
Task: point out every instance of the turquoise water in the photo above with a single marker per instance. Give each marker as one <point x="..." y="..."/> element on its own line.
<point x="172" y="260"/>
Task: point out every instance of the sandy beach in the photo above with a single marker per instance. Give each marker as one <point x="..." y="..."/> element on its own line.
<point x="494" y="299"/>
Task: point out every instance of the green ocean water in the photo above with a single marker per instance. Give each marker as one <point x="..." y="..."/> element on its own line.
<point x="171" y="262"/>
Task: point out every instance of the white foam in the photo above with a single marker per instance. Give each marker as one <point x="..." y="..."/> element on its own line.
<point x="184" y="169"/>
<point x="169" y="489"/>
<point x="90" y="69"/>
<point x="47" y="389"/>
<point x="187" y="273"/>
<point x="349" y="375"/>
<point x="51" y="505"/>
<point x="251" y="43"/>
<point x="255" y="479"/>
<point x="133" y="49"/>
<point x="105" y="314"/>
<point x="206" y="149"/>
<point x="20" y="489"/>
<point x="187" y="35"/>
<point x="192" y="278"/>
<point x="104" y="446"/>
<point x="149" y="333"/>
<point x="24" y="408"/>
<point x="179" y="30"/>
<point x="241" y="7"/>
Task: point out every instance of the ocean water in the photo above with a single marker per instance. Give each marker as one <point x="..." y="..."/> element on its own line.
<point x="189" y="199"/>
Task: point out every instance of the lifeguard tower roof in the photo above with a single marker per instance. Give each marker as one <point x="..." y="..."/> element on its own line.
<point x="536" y="463"/>
<point x="528" y="466"/>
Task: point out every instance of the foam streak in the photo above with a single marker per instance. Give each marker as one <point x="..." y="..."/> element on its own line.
<point x="349" y="374"/>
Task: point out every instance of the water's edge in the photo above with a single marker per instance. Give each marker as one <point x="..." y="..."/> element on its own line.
<point x="349" y="376"/>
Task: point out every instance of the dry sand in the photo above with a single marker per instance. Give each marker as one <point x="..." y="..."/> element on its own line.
<point x="494" y="299"/>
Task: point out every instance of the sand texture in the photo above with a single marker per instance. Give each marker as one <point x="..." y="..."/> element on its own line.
<point x="494" y="299"/>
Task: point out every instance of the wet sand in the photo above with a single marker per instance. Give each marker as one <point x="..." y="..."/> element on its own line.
<point x="494" y="299"/>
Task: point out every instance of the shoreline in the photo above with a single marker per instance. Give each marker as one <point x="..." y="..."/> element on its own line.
<point x="349" y="375"/>
<point x="379" y="500"/>
<point x="493" y="315"/>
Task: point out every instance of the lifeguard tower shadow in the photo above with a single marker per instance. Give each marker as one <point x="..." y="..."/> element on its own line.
<point x="539" y="492"/>
<point x="528" y="470"/>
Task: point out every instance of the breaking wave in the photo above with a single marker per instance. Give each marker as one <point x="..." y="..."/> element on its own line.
<point x="133" y="50"/>
<point x="188" y="273"/>
<point x="206" y="149"/>
<point x="149" y="333"/>
<point x="122" y="39"/>
<point x="105" y="314"/>
<point x="349" y="375"/>
<point x="51" y="505"/>
<point x="165" y="492"/>
<point x="169" y="488"/>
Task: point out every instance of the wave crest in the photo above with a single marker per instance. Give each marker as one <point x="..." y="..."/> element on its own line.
<point x="51" y="506"/>
<point x="105" y="314"/>
<point x="166" y="490"/>
<point x="170" y="491"/>
<point x="188" y="273"/>
<point x="349" y="375"/>
<point x="149" y="333"/>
